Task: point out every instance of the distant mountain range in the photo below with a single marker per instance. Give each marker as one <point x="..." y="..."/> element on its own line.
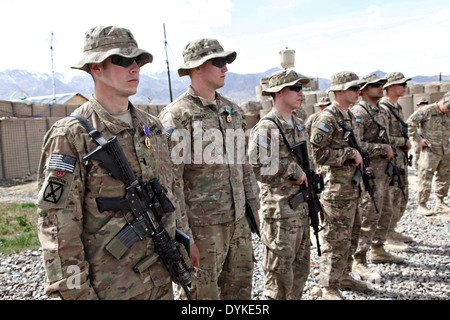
<point x="153" y="88"/>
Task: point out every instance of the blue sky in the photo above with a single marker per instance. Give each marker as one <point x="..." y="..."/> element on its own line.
<point x="327" y="36"/>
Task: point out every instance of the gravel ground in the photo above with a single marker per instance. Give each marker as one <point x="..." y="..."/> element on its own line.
<point x="424" y="275"/>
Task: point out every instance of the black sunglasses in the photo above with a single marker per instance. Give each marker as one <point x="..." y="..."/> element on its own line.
<point x="376" y="84"/>
<point x="219" y="62"/>
<point x="404" y="84"/>
<point x="125" y="62"/>
<point x="296" y="87"/>
<point x="354" y="88"/>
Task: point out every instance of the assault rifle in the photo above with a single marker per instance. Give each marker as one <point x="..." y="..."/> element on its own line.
<point x="363" y="174"/>
<point x="366" y="176"/>
<point x="309" y="194"/>
<point x="315" y="185"/>
<point x="147" y="202"/>
<point x="408" y="160"/>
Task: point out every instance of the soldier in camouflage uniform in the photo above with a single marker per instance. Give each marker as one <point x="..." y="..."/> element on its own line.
<point x="216" y="178"/>
<point x="396" y="200"/>
<point x="72" y="231"/>
<point x="340" y="198"/>
<point x="433" y="121"/>
<point x="371" y="122"/>
<point x="284" y="229"/>
<point x="415" y="146"/>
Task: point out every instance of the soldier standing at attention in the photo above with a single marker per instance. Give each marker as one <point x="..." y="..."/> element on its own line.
<point x="433" y="121"/>
<point x="284" y="229"/>
<point x="73" y="233"/>
<point x="340" y="198"/>
<point x="371" y="124"/>
<point x="216" y="184"/>
<point x="397" y="199"/>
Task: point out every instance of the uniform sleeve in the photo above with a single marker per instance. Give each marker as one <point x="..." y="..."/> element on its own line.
<point x="413" y="125"/>
<point x="323" y="131"/>
<point x="178" y="137"/>
<point x="267" y="160"/>
<point x="60" y="222"/>
<point x="249" y="179"/>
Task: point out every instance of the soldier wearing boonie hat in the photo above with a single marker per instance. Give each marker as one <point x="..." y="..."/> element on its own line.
<point x="429" y="127"/>
<point x="343" y="80"/>
<point x="395" y="78"/>
<point x="340" y="198"/>
<point x="422" y="102"/>
<point x="102" y="42"/>
<point x="213" y="192"/>
<point x="79" y="242"/>
<point x="286" y="267"/>
<point x="395" y="87"/>
<point x="370" y="123"/>
<point x="199" y="51"/>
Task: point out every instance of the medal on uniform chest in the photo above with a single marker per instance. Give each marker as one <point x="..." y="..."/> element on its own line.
<point x="147" y="138"/>
<point x="229" y="118"/>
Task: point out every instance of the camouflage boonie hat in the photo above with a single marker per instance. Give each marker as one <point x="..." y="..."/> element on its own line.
<point x="283" y="78"/>
<point x="447" y="99"/>
<point x="395" y="78"/>
<point x="372" y="78"/>
<point x="324" y="101"/>
<point x="102" y="42"/>
<point x="343" y="80"/>
<point x="422" y="101"/>
<point x="199" y="51"/>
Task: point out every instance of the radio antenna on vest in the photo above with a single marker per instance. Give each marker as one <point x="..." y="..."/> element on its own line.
<point x="167" y="61"/>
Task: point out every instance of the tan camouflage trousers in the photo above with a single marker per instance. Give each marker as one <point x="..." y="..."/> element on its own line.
<point x="370" y="219"/>
<point x="341" y="222"/>
<point x="226" y="262"/>
<point x="429" y="163"/>
<point x="396" y="201"/>
<point x="286" y="259"/>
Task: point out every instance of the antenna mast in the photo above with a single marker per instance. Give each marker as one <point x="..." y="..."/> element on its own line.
<point x="53" y="72"/>
<point x="167" y="61"/>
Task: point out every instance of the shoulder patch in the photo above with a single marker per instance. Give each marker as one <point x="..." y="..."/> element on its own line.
<point x="263" y="141"/>
<point x="324" y="127"/>
<point x="62" y="162"/>
<point x="169" y="131"/>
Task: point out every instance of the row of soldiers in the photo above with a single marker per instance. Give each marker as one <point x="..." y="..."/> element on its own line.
<point x="361" y="130"/>
<point x="117" y="185"/>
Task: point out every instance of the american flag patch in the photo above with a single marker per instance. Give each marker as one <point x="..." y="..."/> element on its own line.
<point x="62" y="162"/>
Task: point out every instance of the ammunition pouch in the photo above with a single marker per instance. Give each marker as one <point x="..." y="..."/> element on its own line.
<point x="296" y="200"/>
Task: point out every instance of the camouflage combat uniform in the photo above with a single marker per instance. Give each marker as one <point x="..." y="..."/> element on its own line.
<point x="214" y="191"/>
<point x="395" y="200"/>
<point x="340" y="198"/>
<point x="368" y="131"/>
<point x="284" y="231"/>
<point x="72" y="231"/>
<point x="435" y="127"/>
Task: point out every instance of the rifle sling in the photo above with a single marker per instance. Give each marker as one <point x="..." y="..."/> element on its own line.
<point x="395" y="115"/>
<point x="281" y="131"/>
